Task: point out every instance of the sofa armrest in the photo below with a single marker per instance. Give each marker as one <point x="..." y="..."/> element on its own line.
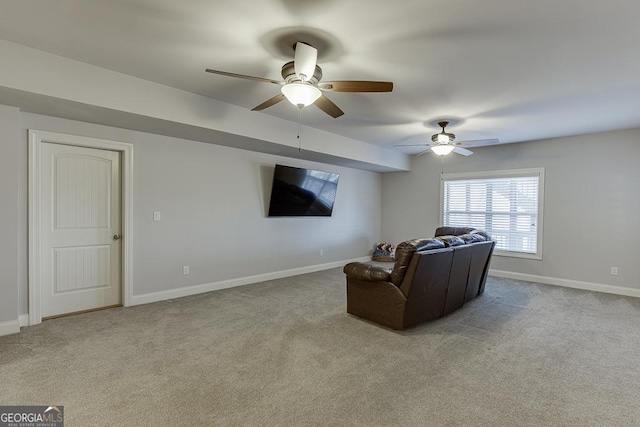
<point x="368" y="272"/>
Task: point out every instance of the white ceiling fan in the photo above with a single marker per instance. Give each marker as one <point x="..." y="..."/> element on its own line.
<point x="443" y="143"/>
<point x="302" y="84"/>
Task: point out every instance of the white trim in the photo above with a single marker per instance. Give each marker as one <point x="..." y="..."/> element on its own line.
<point x="36" y="138"/>
<point x="513" y="254"/>
<point x="567" y="283"/>
<point x="512" y="173"/>
<point x="224" y="284"/>
<point x="11" y="327"/>
<point x="34" y="228"/>
<point x="24" y="320"/>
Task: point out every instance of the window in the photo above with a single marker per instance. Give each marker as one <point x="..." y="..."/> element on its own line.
<point x="506" y="204"/>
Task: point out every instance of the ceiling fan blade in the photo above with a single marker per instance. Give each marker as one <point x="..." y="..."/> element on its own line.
<point x="269" y="102"/>
<point x="356" y="86"/>
<point x="479" y="142"/>
<point x="462" y="151"/>
<point x="423" y="152"/>
<point x="305" y="61"/>
<point x="243" y="76"/>
<point x="326" y="105"/>
<point x="412" y="145"/>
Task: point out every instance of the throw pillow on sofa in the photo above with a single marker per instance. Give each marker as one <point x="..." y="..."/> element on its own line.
<point x="383" y="252"/>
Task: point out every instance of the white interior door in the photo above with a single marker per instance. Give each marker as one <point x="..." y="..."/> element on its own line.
<point x="80" y="229"/>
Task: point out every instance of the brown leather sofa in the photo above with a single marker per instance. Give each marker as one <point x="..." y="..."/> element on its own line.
<point x="431" y="277"/>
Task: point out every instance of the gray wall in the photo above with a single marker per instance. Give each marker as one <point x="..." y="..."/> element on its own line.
<point x="9" y="214"/>
<point x="591" y="206"/>
<point x="213" y="202"/>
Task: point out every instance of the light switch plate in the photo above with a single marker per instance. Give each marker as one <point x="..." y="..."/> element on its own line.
<point x="156" y="216"/>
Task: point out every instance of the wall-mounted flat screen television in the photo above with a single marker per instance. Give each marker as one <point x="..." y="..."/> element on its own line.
<point x="302" y="192"/>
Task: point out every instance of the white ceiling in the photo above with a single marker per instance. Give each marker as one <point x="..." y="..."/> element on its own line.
<point x="513" y="70"/>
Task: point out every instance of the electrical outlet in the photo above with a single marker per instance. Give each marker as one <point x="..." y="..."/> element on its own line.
<point x="321" y="252"/>
<point x="614" y="271"/>
<point x="185" y="269"/>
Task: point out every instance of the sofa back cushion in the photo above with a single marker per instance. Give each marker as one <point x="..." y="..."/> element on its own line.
<point x="427" y="292"/>
<point x="404" y="253"/>
<point x="480" y="259"/>
<point x="458" y="278"/>
<point x="451" y="240"/>
<point x="453" y="231"/>
<point x="482" y="233"/>
<point x="460" y="231"/>
<point x="474" y="237"/>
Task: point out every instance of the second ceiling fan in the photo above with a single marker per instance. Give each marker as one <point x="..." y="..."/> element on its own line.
<point x="443" y="143"/>
<point x="302" y="84"/>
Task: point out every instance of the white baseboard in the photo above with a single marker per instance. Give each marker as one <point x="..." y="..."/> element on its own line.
<point x="24" y="320"/>
<point x="224" y="284"/>
<point x="11" y="327"/>
<point x="576" y="284"/>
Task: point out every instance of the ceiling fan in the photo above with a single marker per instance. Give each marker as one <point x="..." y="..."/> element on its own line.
<point x="443" y="143"/>
<point x="302" y="84"/>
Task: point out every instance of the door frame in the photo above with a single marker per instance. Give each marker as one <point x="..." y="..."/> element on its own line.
<point x="36" y="139"/>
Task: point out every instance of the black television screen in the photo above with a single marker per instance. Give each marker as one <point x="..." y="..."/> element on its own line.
<point x="302" y="192"/>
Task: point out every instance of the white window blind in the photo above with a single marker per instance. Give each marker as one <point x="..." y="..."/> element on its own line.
<point x="507" y="204"/>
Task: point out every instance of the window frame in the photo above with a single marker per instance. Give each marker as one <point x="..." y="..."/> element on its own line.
<point x="511" y="173"/>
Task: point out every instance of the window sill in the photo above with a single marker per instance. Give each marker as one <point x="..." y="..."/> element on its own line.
<point x="537" y="256"/>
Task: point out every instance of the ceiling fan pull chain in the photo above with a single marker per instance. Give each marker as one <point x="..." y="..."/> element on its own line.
<point x="299" y="128"/>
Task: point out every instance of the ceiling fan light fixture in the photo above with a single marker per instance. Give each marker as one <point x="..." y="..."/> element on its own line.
<point x="301" y="94"/>
<point x="442" y="150"/>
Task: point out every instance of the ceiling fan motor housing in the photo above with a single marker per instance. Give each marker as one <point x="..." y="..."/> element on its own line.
<point x="449" y="136"/>
<point x="289" y="74"/>
<point x="434" y="137"/>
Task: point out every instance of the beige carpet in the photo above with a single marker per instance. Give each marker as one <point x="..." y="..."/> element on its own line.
<point x="285" y="353"/>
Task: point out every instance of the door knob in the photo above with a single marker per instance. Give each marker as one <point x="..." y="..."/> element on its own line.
<point x="116" y="237"/>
